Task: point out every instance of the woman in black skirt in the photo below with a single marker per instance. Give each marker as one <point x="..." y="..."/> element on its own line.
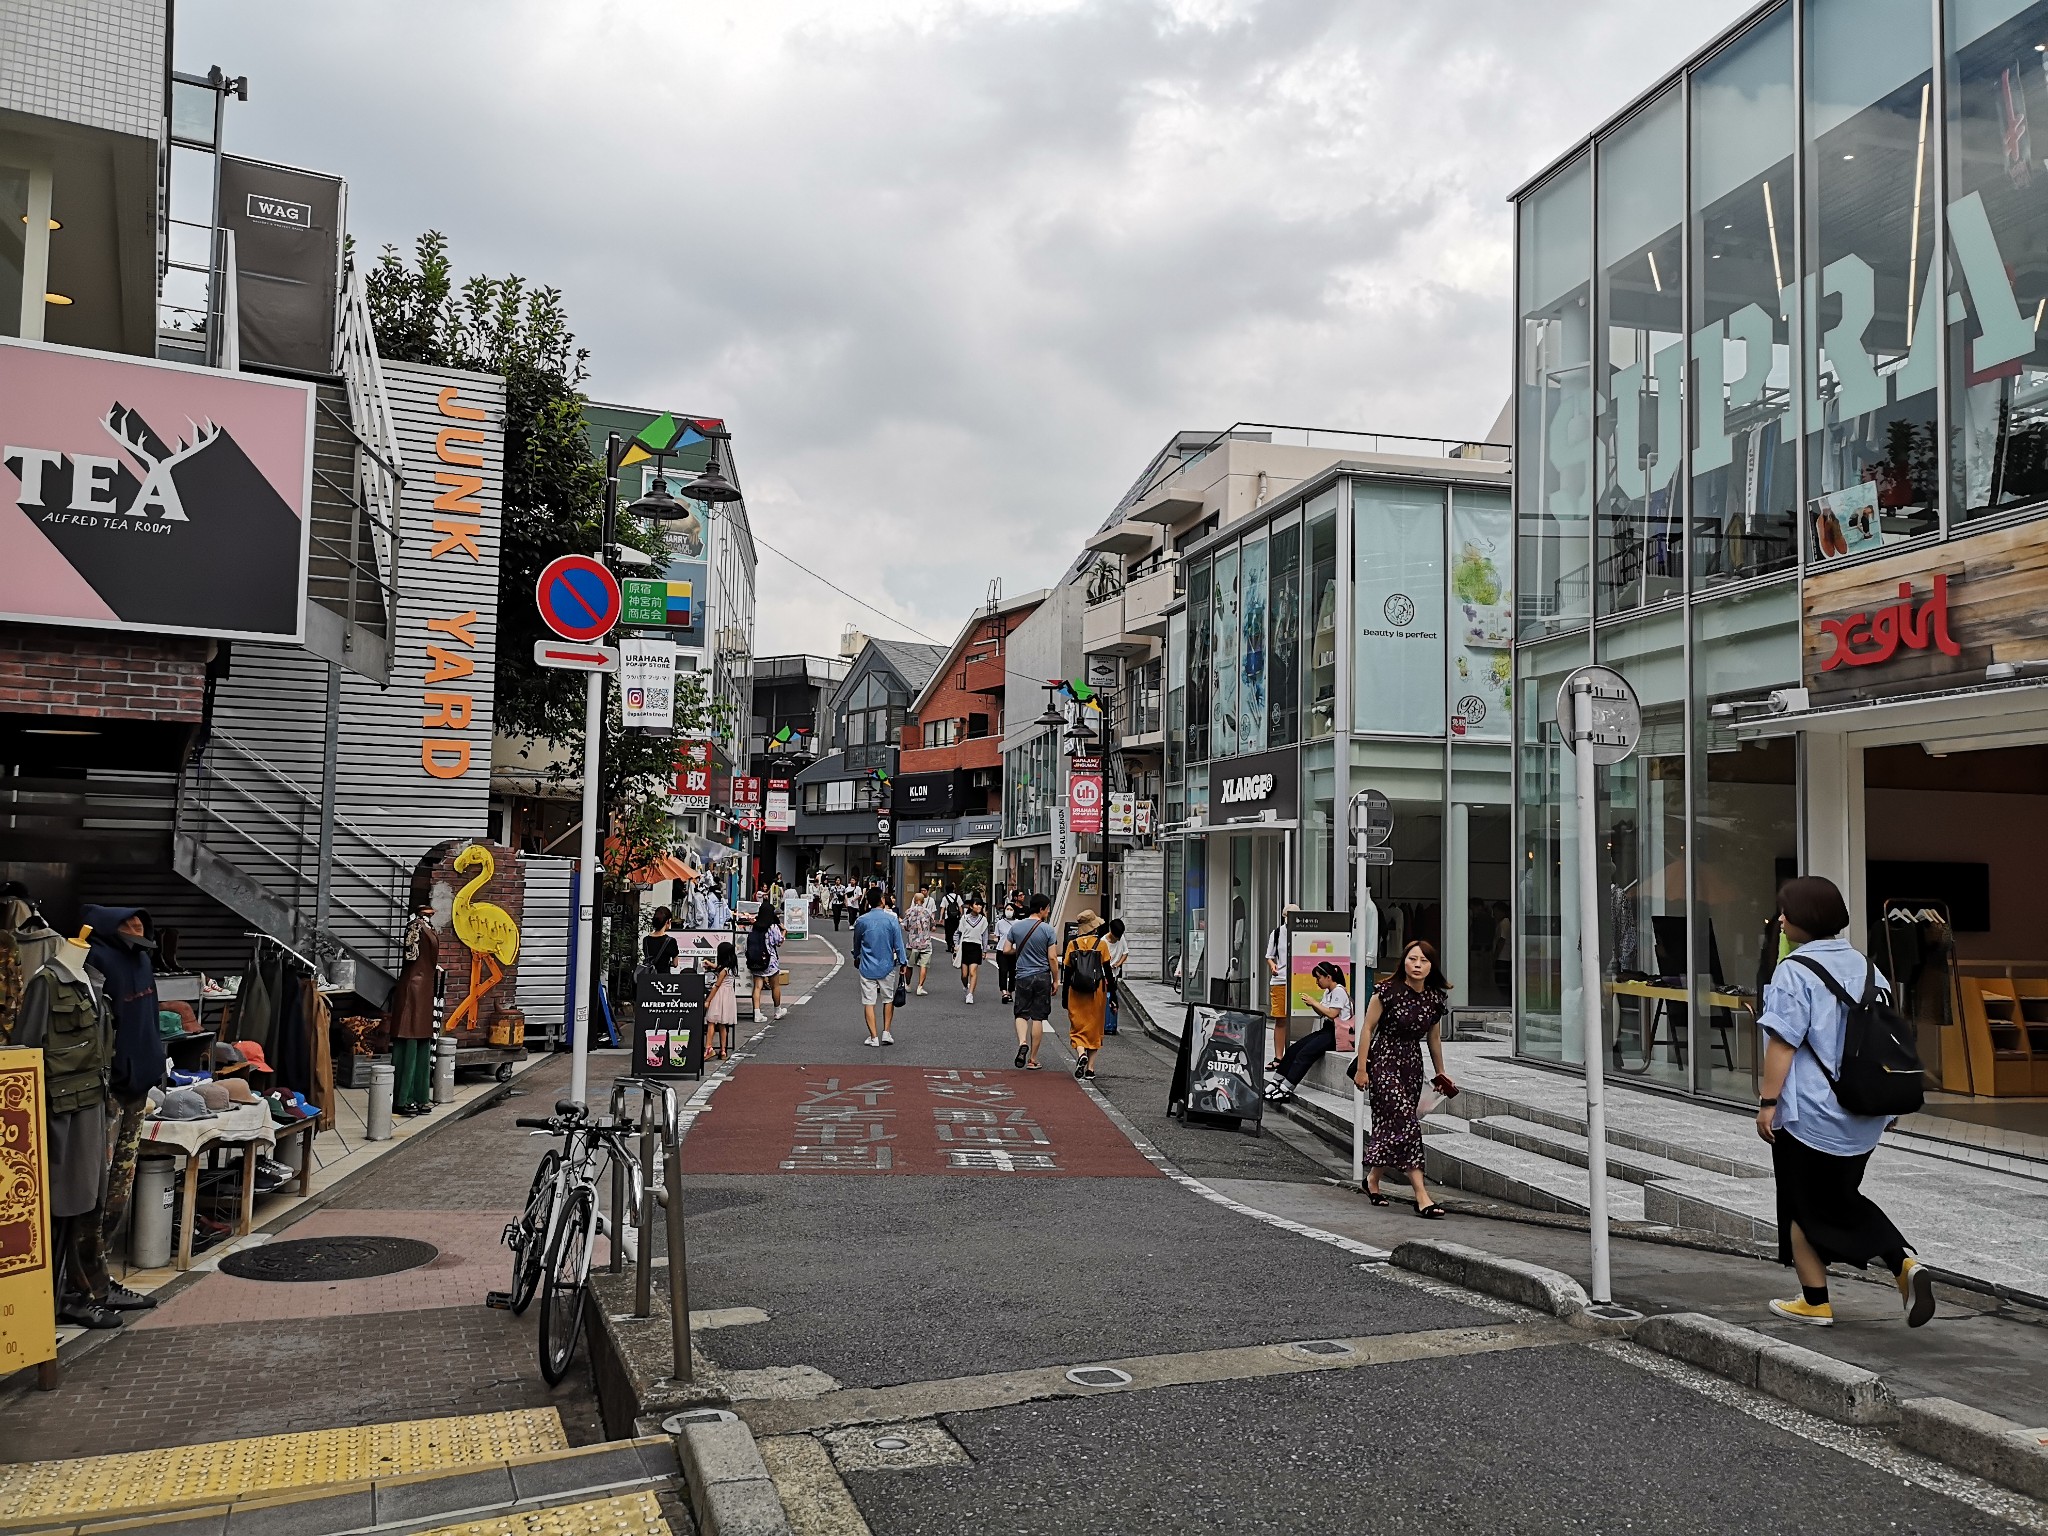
<point x="1407" y="1009"/>
<point x="1818" y="1148"/>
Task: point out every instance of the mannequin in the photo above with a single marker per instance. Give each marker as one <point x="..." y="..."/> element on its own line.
<point x="412" y="1016"/>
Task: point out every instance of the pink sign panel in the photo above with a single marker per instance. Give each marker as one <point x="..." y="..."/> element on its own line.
<point x="155" y="496"/>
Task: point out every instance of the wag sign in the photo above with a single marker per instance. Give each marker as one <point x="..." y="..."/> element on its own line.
<point x="143" y="495"/>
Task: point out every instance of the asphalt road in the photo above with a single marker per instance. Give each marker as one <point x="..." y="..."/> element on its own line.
<point x="947" y="1289"/>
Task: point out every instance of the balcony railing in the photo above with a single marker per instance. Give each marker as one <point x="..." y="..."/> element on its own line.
<point x="1147" y="597"/>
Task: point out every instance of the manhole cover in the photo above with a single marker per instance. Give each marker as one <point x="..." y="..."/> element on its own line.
<point x="1098" y="1376"/>
<point x="330" y="1258"/>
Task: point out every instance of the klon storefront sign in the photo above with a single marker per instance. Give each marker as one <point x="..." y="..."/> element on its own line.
<point x="142" y="495"/>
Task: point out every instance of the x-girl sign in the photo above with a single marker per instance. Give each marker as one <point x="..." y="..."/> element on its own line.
<point x="578" y="597"/>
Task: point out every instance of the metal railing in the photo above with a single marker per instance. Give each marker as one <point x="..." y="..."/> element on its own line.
<point x="666" y="1194"/>
<point x="368" y="551"/>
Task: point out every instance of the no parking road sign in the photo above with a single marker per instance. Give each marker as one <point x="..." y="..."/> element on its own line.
<point x="578" y="597"/>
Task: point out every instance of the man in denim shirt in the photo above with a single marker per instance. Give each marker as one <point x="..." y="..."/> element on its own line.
<point x="878" y="954"/>
<point x="1818" y="1148"/>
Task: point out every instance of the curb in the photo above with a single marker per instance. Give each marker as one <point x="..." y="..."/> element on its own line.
<point x="731" y="1493"/>
<point x="1530" y="1285"/>
<point x="1992" y="1447"/>
<point x="1819" y="1383"/>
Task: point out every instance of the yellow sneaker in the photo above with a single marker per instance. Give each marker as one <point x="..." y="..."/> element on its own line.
<point x="1800" y="1310"/>
<point x="1916" y="1289"/>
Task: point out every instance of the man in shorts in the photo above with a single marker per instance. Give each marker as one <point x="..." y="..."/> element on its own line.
<point x="1037" y="968"/>
<point x="878" y="954"/>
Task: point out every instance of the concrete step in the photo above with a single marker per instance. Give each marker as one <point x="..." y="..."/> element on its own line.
<point x="1627" y="1163"/>
<point x="1500" y="1171"/>
<point x="1727" y="1157"/>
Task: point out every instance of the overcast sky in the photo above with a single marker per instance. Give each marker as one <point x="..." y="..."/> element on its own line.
<point x="955" y="269"/>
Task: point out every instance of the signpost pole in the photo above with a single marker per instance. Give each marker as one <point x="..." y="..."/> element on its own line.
<point x="586" y="890"/>
<point x="1371" y="824"/>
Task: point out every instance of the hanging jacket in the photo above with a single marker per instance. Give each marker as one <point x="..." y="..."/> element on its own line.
<point x="138" y="1064"/>
<point x="72" y="1026"/>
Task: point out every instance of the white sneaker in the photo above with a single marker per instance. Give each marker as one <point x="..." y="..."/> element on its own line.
<point x="970" y="997"/>
<point x="871" y="1040"/>
<point x="887" y="1038"/>
<point x="782" y="1013"/>
<point x="920" y="991"/>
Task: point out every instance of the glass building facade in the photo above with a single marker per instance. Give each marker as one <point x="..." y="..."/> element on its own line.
<point x="1413" y="565"/>
<point x="1781" y="318"/>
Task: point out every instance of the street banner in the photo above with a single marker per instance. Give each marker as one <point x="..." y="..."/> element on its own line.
<point x="288" y="226"/>
<point x="647" y="683"/>
<point x="796" y="914"/>
<point x="1220" y="1072"/>
<point x="1482" y="613"/>
<point x="1062" y="837"/>
<point x="1144" y="822"/>
<point x="1084" y="796"/>
<point x="1398" y="651"/>
<point x="1312" y="939"/>
<point x="693" y="775"/>
<point x="154" y="496"/>
<point x="28" y="1313"/>
<point x="778" y="814"/>
<point x="1123" y="815"/>
<point x="668" y="1023"/>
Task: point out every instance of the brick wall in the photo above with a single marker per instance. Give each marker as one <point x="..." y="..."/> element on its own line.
<point x="120" y="677"/>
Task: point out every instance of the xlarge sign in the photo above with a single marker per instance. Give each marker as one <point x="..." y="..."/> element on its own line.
<point x="1265" y="787"/>
<point x="154" y="496"/>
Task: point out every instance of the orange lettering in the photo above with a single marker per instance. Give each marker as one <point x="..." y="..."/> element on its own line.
<point x="456" y="536"/>
<point x="449" y="455"/>
<point x="457" y="628"/>
<point x="460" y="489"/>
<point x="447" y="664"/>
<point x="433" y="746"/>
<point x="460" y="412"/>
<point x="454" y="707"/>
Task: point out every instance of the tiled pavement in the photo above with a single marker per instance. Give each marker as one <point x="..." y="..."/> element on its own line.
<point x="228" y="1358"/>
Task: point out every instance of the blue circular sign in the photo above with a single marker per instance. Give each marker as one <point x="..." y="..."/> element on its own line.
<point x="579" y="598"/>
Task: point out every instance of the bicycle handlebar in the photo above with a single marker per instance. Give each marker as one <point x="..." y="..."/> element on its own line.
<point x="533" y="1123"/>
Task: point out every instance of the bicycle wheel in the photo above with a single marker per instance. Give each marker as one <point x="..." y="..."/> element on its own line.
<point x="567" y="1287"/>
<point x="530" y="1247"/>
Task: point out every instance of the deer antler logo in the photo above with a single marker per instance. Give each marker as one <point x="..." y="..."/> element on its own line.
<point x="158" y="459"/>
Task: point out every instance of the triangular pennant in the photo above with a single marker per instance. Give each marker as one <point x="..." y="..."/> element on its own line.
<point x="659" y="435"/>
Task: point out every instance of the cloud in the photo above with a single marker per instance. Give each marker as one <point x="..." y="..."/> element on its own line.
<point x="954" y="269"/>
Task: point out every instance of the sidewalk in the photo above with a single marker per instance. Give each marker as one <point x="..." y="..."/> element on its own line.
<point x="1975" y="1351"/>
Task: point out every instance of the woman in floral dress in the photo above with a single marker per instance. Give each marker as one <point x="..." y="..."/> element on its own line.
<point x="1406" y="1009"/>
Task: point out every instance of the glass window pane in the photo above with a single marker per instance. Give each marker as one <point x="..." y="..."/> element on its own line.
<point x="1482" y="613"/>
<point x="1201" y="642"/>
<point x="1874" y="293"/>
<point x="1998" y="250"/>
<point x="1641" y="558"/>
<point x="1397" y="670"/>
<point x="1228" y="619"/>
<point x="14" y="236"/>
<point x="1554" y="401"/>
<point x="1319" y="682"/>
<point x="1642" y="840"/>
<point x="1550" y="1006"/>
<point x="1744" y="485"/>
<point x="1318" y="807"/>
<point x="1176" y="702"/>
<point x="1284" y="654"/>
<point x="1251" y="693"/>
<point x="1745" y="822"/>
<point x="194" y="112"/>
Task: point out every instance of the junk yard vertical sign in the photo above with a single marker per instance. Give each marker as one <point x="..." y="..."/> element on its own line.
<point x="449" y="697"/>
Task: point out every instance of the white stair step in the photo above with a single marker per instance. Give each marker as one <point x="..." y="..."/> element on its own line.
<point x="1498" y="1171"/>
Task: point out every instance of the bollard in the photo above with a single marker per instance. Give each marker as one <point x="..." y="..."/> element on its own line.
<point x="149" y="1233"/>
<point x="444" y="1069"/>
<point x="678" y="1261"/>
<point x="643" y="1266"/>
<point x="383" y="1082"/>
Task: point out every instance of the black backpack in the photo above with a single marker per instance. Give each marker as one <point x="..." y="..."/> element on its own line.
<point x="1085" y="973"/>
<point x="757" y="949"/>
<point x="1880" y="1069"/>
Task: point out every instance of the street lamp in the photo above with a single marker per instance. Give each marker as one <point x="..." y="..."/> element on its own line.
<point x="712" y="486"/>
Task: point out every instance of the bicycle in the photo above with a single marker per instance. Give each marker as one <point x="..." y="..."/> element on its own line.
<point x="556" y="1234"/>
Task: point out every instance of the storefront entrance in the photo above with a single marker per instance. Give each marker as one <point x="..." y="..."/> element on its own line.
<point x="1247" y="885"/>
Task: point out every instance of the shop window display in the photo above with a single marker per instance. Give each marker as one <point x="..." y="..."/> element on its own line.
<point x="1253" y="653"/>
<point x="1641" y="426"/>
<point x="1551" y="1019"/>
<point x="1201" y="643"/>
<point x="1319" y="679"/>
<point x="1554" y="402"/>
<point x="1284" y="625"/>
<point x="1227" y="619"/>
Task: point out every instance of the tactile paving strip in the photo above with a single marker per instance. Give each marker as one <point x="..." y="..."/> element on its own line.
<point x="626" y="1514"/>
<point x="184" y="1475"/>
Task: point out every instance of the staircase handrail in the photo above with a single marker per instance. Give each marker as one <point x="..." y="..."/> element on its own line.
<point x="305" y="796"/>
<point x="374" y="429"/>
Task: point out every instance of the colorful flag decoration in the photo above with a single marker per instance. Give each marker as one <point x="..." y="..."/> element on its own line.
<point x="781" y="737"/>
<point x="681" y="603"/>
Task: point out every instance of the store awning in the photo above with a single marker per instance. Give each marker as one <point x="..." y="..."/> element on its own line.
<point x="915" y="850"/>
<point x="1990" y="715"/>
<point x="965" y="848"/>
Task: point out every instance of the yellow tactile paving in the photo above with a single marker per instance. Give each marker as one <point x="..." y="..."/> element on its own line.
<point x="626" y="1514"/>
<point x="226" y="1469"/>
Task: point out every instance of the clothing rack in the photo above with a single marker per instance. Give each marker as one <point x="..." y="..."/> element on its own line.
<point x="265" y="938"/>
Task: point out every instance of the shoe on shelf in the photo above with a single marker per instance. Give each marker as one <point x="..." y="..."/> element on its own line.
<point x="871" y="1040"/>
<point x="120" y="1299"/>
<point x="1800" y="1310"/>
<point x="1916" y="1289"/>
<point x="85" y="1313"/>
<point x="887" y="1038"/>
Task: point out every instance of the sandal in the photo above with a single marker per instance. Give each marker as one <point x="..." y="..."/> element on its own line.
<point x="1032" y="1066"/>
<point x="1377" y="1198"/>
<point x="1022" y="1052"/>
<point x="1431" y="1212"/>
<point x="1081" y="1065"/>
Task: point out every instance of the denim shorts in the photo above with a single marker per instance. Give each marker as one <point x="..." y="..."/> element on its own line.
<point x="1033" y="997"/>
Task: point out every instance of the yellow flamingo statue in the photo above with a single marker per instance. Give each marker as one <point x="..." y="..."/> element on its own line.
<point x="489" y="932"/>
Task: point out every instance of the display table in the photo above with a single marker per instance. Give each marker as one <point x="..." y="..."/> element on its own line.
<point x="247" y="1126"/>
<point x="1661" y="1016"/>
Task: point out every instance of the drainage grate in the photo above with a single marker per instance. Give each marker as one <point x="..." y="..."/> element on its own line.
<point x="1324" y="1347"/>
<point x="1098" y="1376"/>
<point x="330" y="1258"/>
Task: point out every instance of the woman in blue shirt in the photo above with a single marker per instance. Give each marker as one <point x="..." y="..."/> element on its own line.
<point x="1818" y="1148"/>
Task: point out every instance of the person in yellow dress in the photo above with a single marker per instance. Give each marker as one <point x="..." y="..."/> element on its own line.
<point x="1087" y="1006"/>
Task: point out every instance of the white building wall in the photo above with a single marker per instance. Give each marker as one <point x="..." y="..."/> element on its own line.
<point x="100" y="64"/>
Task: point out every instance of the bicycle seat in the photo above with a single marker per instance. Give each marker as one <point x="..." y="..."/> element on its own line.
<point x="570" y="1109"/>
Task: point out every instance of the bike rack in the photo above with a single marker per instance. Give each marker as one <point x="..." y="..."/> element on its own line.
<point x="668" y="1195"/>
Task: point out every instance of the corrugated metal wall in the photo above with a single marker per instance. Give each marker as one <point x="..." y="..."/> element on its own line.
<point x="544" y="935"/>
<point x="395" y="796"/>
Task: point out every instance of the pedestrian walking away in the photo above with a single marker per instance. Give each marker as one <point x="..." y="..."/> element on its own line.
<point x="1033" y="964"/>
<point x="722" y="1003"/>
<point x="764" y="963"/>
<point x="1406" y="1010"/>
<point x="1334" y="1008"/>
<point x="1006" y="961"/>
<point x="1119" y="957"/>
<point x="951" y="912"/>
<point x="1819" y="1147"/>
<point x="879" y="956"/>
<point x="1084" y="991"/>
<point x="920" y="920"/>
<point x="973" y="940"/>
